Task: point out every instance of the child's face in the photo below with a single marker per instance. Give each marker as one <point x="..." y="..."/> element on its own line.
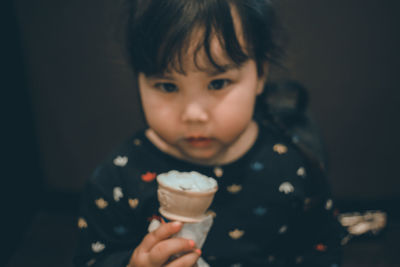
<point x="203" y="116"/>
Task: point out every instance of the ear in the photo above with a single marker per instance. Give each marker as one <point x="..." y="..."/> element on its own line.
<point x="262" y="80"/>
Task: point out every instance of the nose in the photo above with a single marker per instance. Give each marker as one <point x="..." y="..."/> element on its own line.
<point x="195" y="112"/>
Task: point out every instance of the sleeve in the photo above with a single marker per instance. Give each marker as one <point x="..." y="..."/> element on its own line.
<point x="315" y="236"/>
<point x="109" y="226"/>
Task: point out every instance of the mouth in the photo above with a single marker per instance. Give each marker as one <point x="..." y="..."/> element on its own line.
<point x="199" y="141"/>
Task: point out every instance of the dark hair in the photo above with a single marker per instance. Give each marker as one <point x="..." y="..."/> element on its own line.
<point x="160" y="31"/>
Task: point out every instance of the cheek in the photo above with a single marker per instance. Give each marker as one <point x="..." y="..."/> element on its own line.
<point x="156" y="115"/>
<point x="152" y="105"/>
<point x="159" y="116"/>
<point x="235" y="114"/>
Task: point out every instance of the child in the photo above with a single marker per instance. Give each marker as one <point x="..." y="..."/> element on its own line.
<point x="202" y="65"/>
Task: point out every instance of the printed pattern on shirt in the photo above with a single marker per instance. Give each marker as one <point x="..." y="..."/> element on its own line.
<point x="254" y="213"/>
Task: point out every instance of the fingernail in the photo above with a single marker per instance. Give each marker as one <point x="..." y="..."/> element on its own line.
<point x="198" y="251"/>
<point x="191" y="243"/>
<point x="177" y="224"/>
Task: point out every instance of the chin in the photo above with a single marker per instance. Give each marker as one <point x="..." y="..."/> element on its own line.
<point x="201" y="157"/>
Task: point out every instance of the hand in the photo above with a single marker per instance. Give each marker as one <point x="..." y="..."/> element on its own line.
<point x="157" y="248"/>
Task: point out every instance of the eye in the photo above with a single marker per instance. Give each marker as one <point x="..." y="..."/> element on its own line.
<point x="167" y="87"/>
<point x="218" y="84"/>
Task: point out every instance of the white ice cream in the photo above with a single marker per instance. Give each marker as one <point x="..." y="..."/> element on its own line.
<point x="187" y="181"/>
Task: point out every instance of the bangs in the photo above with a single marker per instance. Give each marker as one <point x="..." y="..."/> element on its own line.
<point x="164" y="31"/>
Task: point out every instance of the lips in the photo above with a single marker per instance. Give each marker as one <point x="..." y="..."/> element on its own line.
<point x="199" y="141"/>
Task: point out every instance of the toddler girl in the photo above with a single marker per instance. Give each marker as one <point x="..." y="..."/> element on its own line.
<point x="202" y="65"/>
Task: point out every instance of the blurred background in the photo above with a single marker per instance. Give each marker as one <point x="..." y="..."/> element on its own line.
<point x="69" y="98"/>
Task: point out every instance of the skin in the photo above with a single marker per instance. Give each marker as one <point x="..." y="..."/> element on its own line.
<point x="157" y="247"/>
<point x="203" y="116"/>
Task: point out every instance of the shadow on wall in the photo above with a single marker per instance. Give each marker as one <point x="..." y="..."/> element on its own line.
<point x="21" y="174"/>
<point x="346" y="53"/>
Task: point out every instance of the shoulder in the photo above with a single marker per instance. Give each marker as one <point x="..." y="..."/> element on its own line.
<point x="123" y="179"/>
<point x="286" y="104"/>
<point x="286" y="164"/>
<point x="111" y="171"/>
<point x="278" y="147"/>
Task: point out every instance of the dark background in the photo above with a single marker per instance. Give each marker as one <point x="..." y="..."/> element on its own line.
<point x="68" y="98"/>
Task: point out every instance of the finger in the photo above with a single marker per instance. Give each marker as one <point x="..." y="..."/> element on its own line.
<point x="163" y="232"/>
<point x="186" y="260"/>
<point x="163" y="250"/>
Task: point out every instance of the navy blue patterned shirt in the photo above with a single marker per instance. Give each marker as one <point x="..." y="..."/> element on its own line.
<point x="271" y="209"/>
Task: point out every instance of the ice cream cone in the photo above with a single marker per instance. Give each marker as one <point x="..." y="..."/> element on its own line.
<point x="185" y="201"/>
